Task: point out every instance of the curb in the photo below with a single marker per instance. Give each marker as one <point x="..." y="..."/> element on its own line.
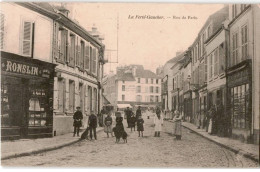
<point x="37" y="151"/>
<point x="236" y="151"/>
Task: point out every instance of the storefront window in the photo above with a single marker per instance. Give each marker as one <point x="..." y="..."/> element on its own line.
<point x="239" y="105"/>
<point x="37" y="106"/>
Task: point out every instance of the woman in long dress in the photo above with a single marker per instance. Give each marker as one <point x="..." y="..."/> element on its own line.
<point x="158" y="122"/>
<point x="177" y="125"/>
<point x="210" y="121"/>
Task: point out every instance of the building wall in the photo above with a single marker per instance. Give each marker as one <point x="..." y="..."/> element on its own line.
<point x="13" y="36"/>
<point x="256" y="73"/>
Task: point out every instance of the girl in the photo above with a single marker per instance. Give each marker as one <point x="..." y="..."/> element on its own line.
<point x="108" y="125"/>
<point x="140" y="125"/>
<point x="158" y="122"/>
<point x="177" y="126"/>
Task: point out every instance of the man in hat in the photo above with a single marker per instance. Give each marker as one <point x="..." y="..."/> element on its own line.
<point x="92" y="123"/>
<point x="77" y="121"/>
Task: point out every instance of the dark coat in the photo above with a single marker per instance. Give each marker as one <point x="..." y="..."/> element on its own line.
<point x="132" y="121"/>
<point x="108" y="121"/>
<point x="128" y="113"/>
<point x="92" y="121"/>
<point x="138" y="113"/>
<point x="140" y="124"/>
<point x="77" y="119"/>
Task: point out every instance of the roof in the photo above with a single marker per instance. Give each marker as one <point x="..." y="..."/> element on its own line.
<point x="217" y="19"/>
<point x="145" y="74"/>
<point x="122" y="76"/>
<point x="106" y="102"/>
<point x="177" y="59"/>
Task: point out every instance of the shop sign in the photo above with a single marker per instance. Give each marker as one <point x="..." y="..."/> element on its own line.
<point x="238" y="78"/>
<point x="24" y="68"/>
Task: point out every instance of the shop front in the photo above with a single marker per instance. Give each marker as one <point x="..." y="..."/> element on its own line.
<point x="187" y="103"/>
<point x="26" y="97"/>
<point x="239" y="100"/>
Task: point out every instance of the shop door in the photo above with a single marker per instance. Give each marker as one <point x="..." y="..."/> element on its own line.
<point x="13" y="106"/>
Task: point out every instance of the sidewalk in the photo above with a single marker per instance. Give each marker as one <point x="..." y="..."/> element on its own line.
<point x="248" y="150"/>
<point x="24" y="147"/>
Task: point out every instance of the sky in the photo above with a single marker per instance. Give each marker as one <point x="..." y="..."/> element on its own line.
<point x="150" y="42"/>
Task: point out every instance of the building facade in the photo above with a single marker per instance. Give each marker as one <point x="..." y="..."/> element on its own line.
<point x="27" y="74"/>
<point x="243" y="71"/>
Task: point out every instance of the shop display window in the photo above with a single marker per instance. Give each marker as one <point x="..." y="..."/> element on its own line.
<point x="239" y="105"/>
<point x="37" y="106"/>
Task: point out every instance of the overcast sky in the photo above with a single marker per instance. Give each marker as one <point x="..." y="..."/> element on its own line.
<point x="150" y="42"/>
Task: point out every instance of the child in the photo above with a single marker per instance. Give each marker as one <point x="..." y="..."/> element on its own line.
<point x="132" y="122"/>
<point x="140" y="125"/>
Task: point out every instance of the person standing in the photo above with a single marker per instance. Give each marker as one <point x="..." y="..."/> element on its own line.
<point x="140" y="125"/>
<point x="77" y="121"/>
<point x="158" y="122"/>
<point x="138" y="112"/>
<point x="177" y="126"/>
<point x="210" y="120"/>
<point x="92" y="122"/>
<point x="108" y="125"/>
<point x="132" y="122"/>
<point x="128" y="113"/>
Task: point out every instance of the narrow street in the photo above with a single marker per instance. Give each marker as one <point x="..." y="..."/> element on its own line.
<point x="149" y="151"/>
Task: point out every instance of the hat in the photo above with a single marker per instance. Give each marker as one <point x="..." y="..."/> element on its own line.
<point x="78" y="107"/>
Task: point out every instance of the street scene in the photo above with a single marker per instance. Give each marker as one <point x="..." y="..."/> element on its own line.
<point x="162" y="152"/>
<point x="149" y="85"/>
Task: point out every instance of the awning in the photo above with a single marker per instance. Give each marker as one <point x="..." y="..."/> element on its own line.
<point x="123" y="105"/>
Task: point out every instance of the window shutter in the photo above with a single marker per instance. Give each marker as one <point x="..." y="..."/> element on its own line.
<point x="94" y="61"/>
<point x="27" y="38"/>
<point x="2" y="20"/>
<point x="86" y="60"/>
<point x="82" y="51"/>
<point x="69" y="53"/>
<point x="55" y="41"/>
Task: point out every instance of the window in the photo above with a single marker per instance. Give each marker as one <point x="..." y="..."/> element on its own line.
<point x="81" y="96"/>
<point x="90" y="59"/>
<point x="61" y="95"/>
<point x="147" y="99"/>
<point x="86" y="58"/>
<point x="62" y="45"/>
<point x="209" y="32"/>
<point x="138" y="89"/>
<point x="138" y="98"/>
<point x="123" y="88"/>
<point x="123" y="97"/>
<point x="2" y="30"/>
<point x="157" y="89"/>
<point x="203" y="39"/>
<point x="146" y="80"/>
<point x="151" y="98"/>
<point x="156" y="98"/>
<point x="71" y="96"/>
<point x="94" y="60"/>
<point x="216" y="62"/>
<point x="244" y="31"/>
<point x="211" y="65"/>
<point x="234" y="11"/>
<point x="151" y="89"/>
<point x="82" y="51"/>
<point x="94" y="99"/>
<point x="157" y="82"/>
<point x="173" y="84"/>
<point x="239" y="106"/>
<point x="235" y="49"/>
<point x="205" y="68"/>
<point x="146" y="89"/>
<point x="72" y="51"/>
<point x="138" y="80"/>
<point x="27" y="41"/>
<point x="151" y="81"/>
<point x="89" y="104"/>
<point x="222" y="58"/>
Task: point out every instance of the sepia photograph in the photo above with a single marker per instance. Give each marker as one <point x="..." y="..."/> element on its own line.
<point x="93" y="84"/>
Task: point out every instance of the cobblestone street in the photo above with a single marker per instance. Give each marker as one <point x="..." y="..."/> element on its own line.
<point x="149" y="151"/>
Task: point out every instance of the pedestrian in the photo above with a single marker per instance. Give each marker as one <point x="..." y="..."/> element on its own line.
<point x="132" y="122"/>
<point x="177" y="127"/>
<point x="77" y="121"/>
<point x="214" y="120"/>
<point x="140" y="125"/>
<point x="128" y="113"/>
<point x="210" y="120"/>
<point x="158" y="122"/>
<point x="108" y="125"/>
<point x="92" y="122"/>
<point x="138" y="112"/>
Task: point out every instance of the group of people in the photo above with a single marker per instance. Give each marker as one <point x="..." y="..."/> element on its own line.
<point x="92" y="123"/>
<point x="132" y="121"/>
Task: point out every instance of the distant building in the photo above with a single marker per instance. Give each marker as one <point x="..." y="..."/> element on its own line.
<point x="133" y="85"/>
